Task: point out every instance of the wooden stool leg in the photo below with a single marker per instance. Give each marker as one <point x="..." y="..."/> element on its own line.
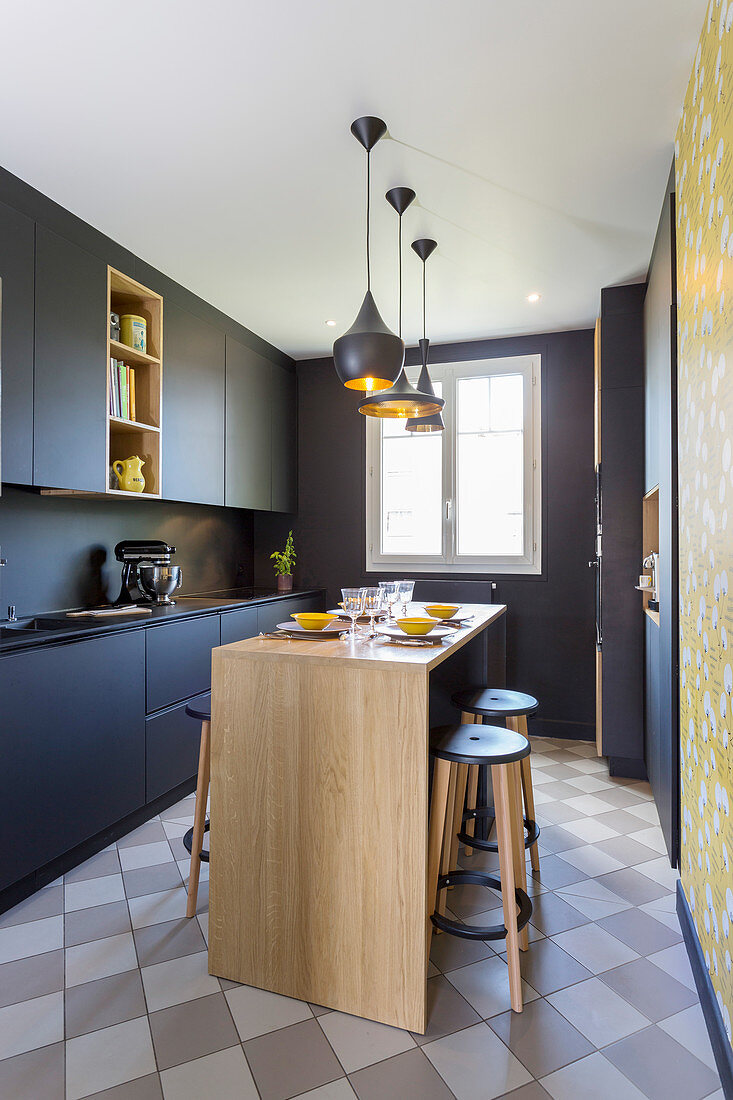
<point x="528" y="794"/>
<point x="438" y="808"/>
<point x="460" y="799"/>
<point x="502" y="804"/>
<point x="199" y="819"/>
<point x="471" y="799"/>
<point x="445" y="865"/>
<point x="520" y="856"/>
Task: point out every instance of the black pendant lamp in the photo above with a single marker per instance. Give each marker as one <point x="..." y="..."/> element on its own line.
<point x="402" y="400"/>
<point x="368" y="356"/>
<point x="424" y="248"/>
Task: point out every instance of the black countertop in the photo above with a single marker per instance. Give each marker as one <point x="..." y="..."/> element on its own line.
<point x="185" y="607"/>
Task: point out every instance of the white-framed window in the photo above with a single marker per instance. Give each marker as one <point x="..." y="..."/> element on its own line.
<point x="468" y="499"/>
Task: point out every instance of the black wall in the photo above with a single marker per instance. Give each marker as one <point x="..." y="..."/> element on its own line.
<point x="550" y="627"/>
<point x="49" y="542"/>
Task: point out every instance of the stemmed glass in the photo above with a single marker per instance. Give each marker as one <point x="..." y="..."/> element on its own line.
<point x="405" y="590"/>
<point x="391" y="596"/>
<point x="353" y="604"/>
<point x="373" y="600"/>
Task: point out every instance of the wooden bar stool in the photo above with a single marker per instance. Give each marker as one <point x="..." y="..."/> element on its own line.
<point x="454" y="750"/>
<point x="194" y="838"/>
<point x="511" y="707"/>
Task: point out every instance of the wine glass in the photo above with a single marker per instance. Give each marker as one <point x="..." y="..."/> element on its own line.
<point x="391" y="596"/>
<point x="373" y="601"/>
<point x="405" y="590"/>
<point x="353" y="604"/>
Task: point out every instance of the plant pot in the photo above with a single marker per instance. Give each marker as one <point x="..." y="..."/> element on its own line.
<point x="285" y="582"/>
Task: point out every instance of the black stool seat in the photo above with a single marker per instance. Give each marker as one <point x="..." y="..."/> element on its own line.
<point x="470" y="744"/>
<point x="494" y="702"/>
<point x="200" y="708"/>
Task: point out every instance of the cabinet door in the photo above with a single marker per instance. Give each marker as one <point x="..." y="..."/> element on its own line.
<point x="284" y="441"/>
<point x="279" y="611"/>
<point x="179" y="660"/>
<point x="238" y="625"/>
<point x="72" y="739"/>
<point x="248" y="428"/>
<point x="193" y="408"/>
<point x="70" y="388"/>
<point x="172" y="740"/>
<point x="17" y="234"/>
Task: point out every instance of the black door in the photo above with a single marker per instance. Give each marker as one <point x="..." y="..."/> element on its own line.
<point x="70" y="389"/>
<point x="17" y="234"/>
<point x="250" y="379"/>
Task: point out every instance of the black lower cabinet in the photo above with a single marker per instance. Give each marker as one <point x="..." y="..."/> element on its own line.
<point x="72" y="739"/>
<point x="238" y="625"/>
<point x="179" y="660"/>
<point x="171" y="749"/>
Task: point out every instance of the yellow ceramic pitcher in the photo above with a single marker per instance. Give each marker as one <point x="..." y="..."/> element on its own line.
<point x="129" y="474"/>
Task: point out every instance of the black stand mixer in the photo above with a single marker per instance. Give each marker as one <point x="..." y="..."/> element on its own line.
<point x="147" y="573"/>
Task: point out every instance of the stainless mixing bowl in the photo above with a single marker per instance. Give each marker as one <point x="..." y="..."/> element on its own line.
<point x="159" y="581"/>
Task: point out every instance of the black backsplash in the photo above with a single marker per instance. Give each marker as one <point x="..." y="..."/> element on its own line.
<point x="60" y="550"/>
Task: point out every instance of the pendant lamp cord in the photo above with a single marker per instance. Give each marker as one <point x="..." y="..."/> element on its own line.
<point x="423" y="299"/>
<point x="368" y="208"/>
<point x="399" y="252"/>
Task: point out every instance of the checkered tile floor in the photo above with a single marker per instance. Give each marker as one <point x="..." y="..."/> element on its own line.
<point x="104" y="989"/>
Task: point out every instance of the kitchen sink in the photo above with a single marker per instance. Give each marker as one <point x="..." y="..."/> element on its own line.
<point x="36" y="624"/>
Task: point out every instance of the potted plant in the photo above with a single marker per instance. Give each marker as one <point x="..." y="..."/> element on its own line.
<point x="284" y="562"/>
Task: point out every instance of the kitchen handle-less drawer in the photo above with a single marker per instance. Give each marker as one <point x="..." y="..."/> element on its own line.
<point x="178" y="660"/>
<point x="238" y="625"/>
<point x="171" y="749"/>
<point x="279" y="611"/>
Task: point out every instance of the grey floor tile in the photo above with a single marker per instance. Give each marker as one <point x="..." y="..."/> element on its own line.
<point x="112" y="1056"/>
<point x="598" y="1012"/>
<point x="450" y="952"/>
<point x="620" y="820"/>
<point x="359" y="1042"/>
<point x="594" y="948"/>
<point x="142" y="1088"/>
<point x="551" y="914"/>
<point x="99" y="866"/>
<point x="560" y="771"/>
<point x="592" y="1077"/>
<point x="620" y="797"/>
<point x="32" y="977"/>
<point x="532" y="1091"/>
<point x="547" y="968"/>
<point x="541" y="1038"/>
<point x="674" y="960"/>
<point x="408" y="1074"/>
<point x="257" y="1011"/>
<point x="689" y="1028"/>
<point x="294" y="1060"/>
<point x="44" y="903"/>
<point x="627" y="850"/>
<point x="145" y="834"/>
<point x="151" y="880"/>
<point x="559" y="790"/>
<point x="555" y="872"/>
<point x="181" y="852"/>
<point x="649" y="989"/>
<point x="157" y="943"/>
<point x="38" y="1075"/>
<point x="476" y="1065"/>
<point x="105" y="1002"/>
<point x="223" y="1075"/>
<point x="632" y="886"/>
<point x="640" y="931"/>
<point x="660" y="1067"/>
<point x="557" y="813"/>
<point x="447" y="1011"/>
<point x="319" y="1010"/>
<point x="192" y="1030"/>
<point x="557" y="838"/>
<point x="96" y="923"/>
<point x="464" y="901"/>
<point x="485" y="985"/>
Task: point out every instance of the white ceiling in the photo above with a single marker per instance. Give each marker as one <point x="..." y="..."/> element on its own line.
<point x="213" y="140"/>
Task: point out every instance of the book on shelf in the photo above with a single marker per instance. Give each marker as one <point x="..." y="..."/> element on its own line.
<point x="121" y="390"/>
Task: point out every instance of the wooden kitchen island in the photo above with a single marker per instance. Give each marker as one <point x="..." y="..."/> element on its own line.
<point x="319" y="812"/>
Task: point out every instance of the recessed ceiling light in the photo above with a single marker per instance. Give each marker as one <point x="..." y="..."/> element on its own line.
<point x="533" y="297"/>
<point x="330" y="323"/>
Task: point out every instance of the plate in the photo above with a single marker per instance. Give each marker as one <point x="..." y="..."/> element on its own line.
<point x="295" y="631"/>
<point x="361" y="619"/>
<point x="395" y="634"/>
<point x="457" y="619"/>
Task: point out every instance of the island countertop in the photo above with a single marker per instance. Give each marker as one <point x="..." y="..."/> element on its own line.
<point x="319" y="812"/>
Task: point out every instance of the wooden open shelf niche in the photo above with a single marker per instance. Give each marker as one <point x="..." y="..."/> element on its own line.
<point x="142" y="436"/>
<point x="650" y="542"/>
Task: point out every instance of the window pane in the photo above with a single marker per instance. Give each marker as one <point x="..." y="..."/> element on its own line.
<point x="507" y="395"/>
<point x="473" y="405"/>
<point x="412" y="490"/>
<point x="490" y="494"/>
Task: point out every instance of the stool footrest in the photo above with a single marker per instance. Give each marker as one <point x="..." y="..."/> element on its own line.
<point x="188" y="842"/>
<point x="475" y="932"/>
<point x="531" y="829"/>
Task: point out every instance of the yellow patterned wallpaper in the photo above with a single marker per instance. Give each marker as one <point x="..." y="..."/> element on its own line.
<point x="704" y="187"/>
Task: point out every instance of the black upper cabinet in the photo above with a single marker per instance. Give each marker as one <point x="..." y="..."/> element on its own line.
<point x="193" y="408"/>
<point x="284" y="441"/>
<point x="69" y="401"/>
<point x="16" y="272"/>
<point x="248" y="428"/>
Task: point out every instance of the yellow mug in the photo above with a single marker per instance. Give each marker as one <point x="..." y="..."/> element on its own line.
<point x="129" y="474"/>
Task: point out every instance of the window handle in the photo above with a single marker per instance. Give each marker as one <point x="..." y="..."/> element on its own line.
<point x="448" y="508"/>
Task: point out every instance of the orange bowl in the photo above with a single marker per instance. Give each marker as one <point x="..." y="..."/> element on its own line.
<point x="416" y="627"/>
<point x="313" y="620"/>
<point x="442" y="610"/>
